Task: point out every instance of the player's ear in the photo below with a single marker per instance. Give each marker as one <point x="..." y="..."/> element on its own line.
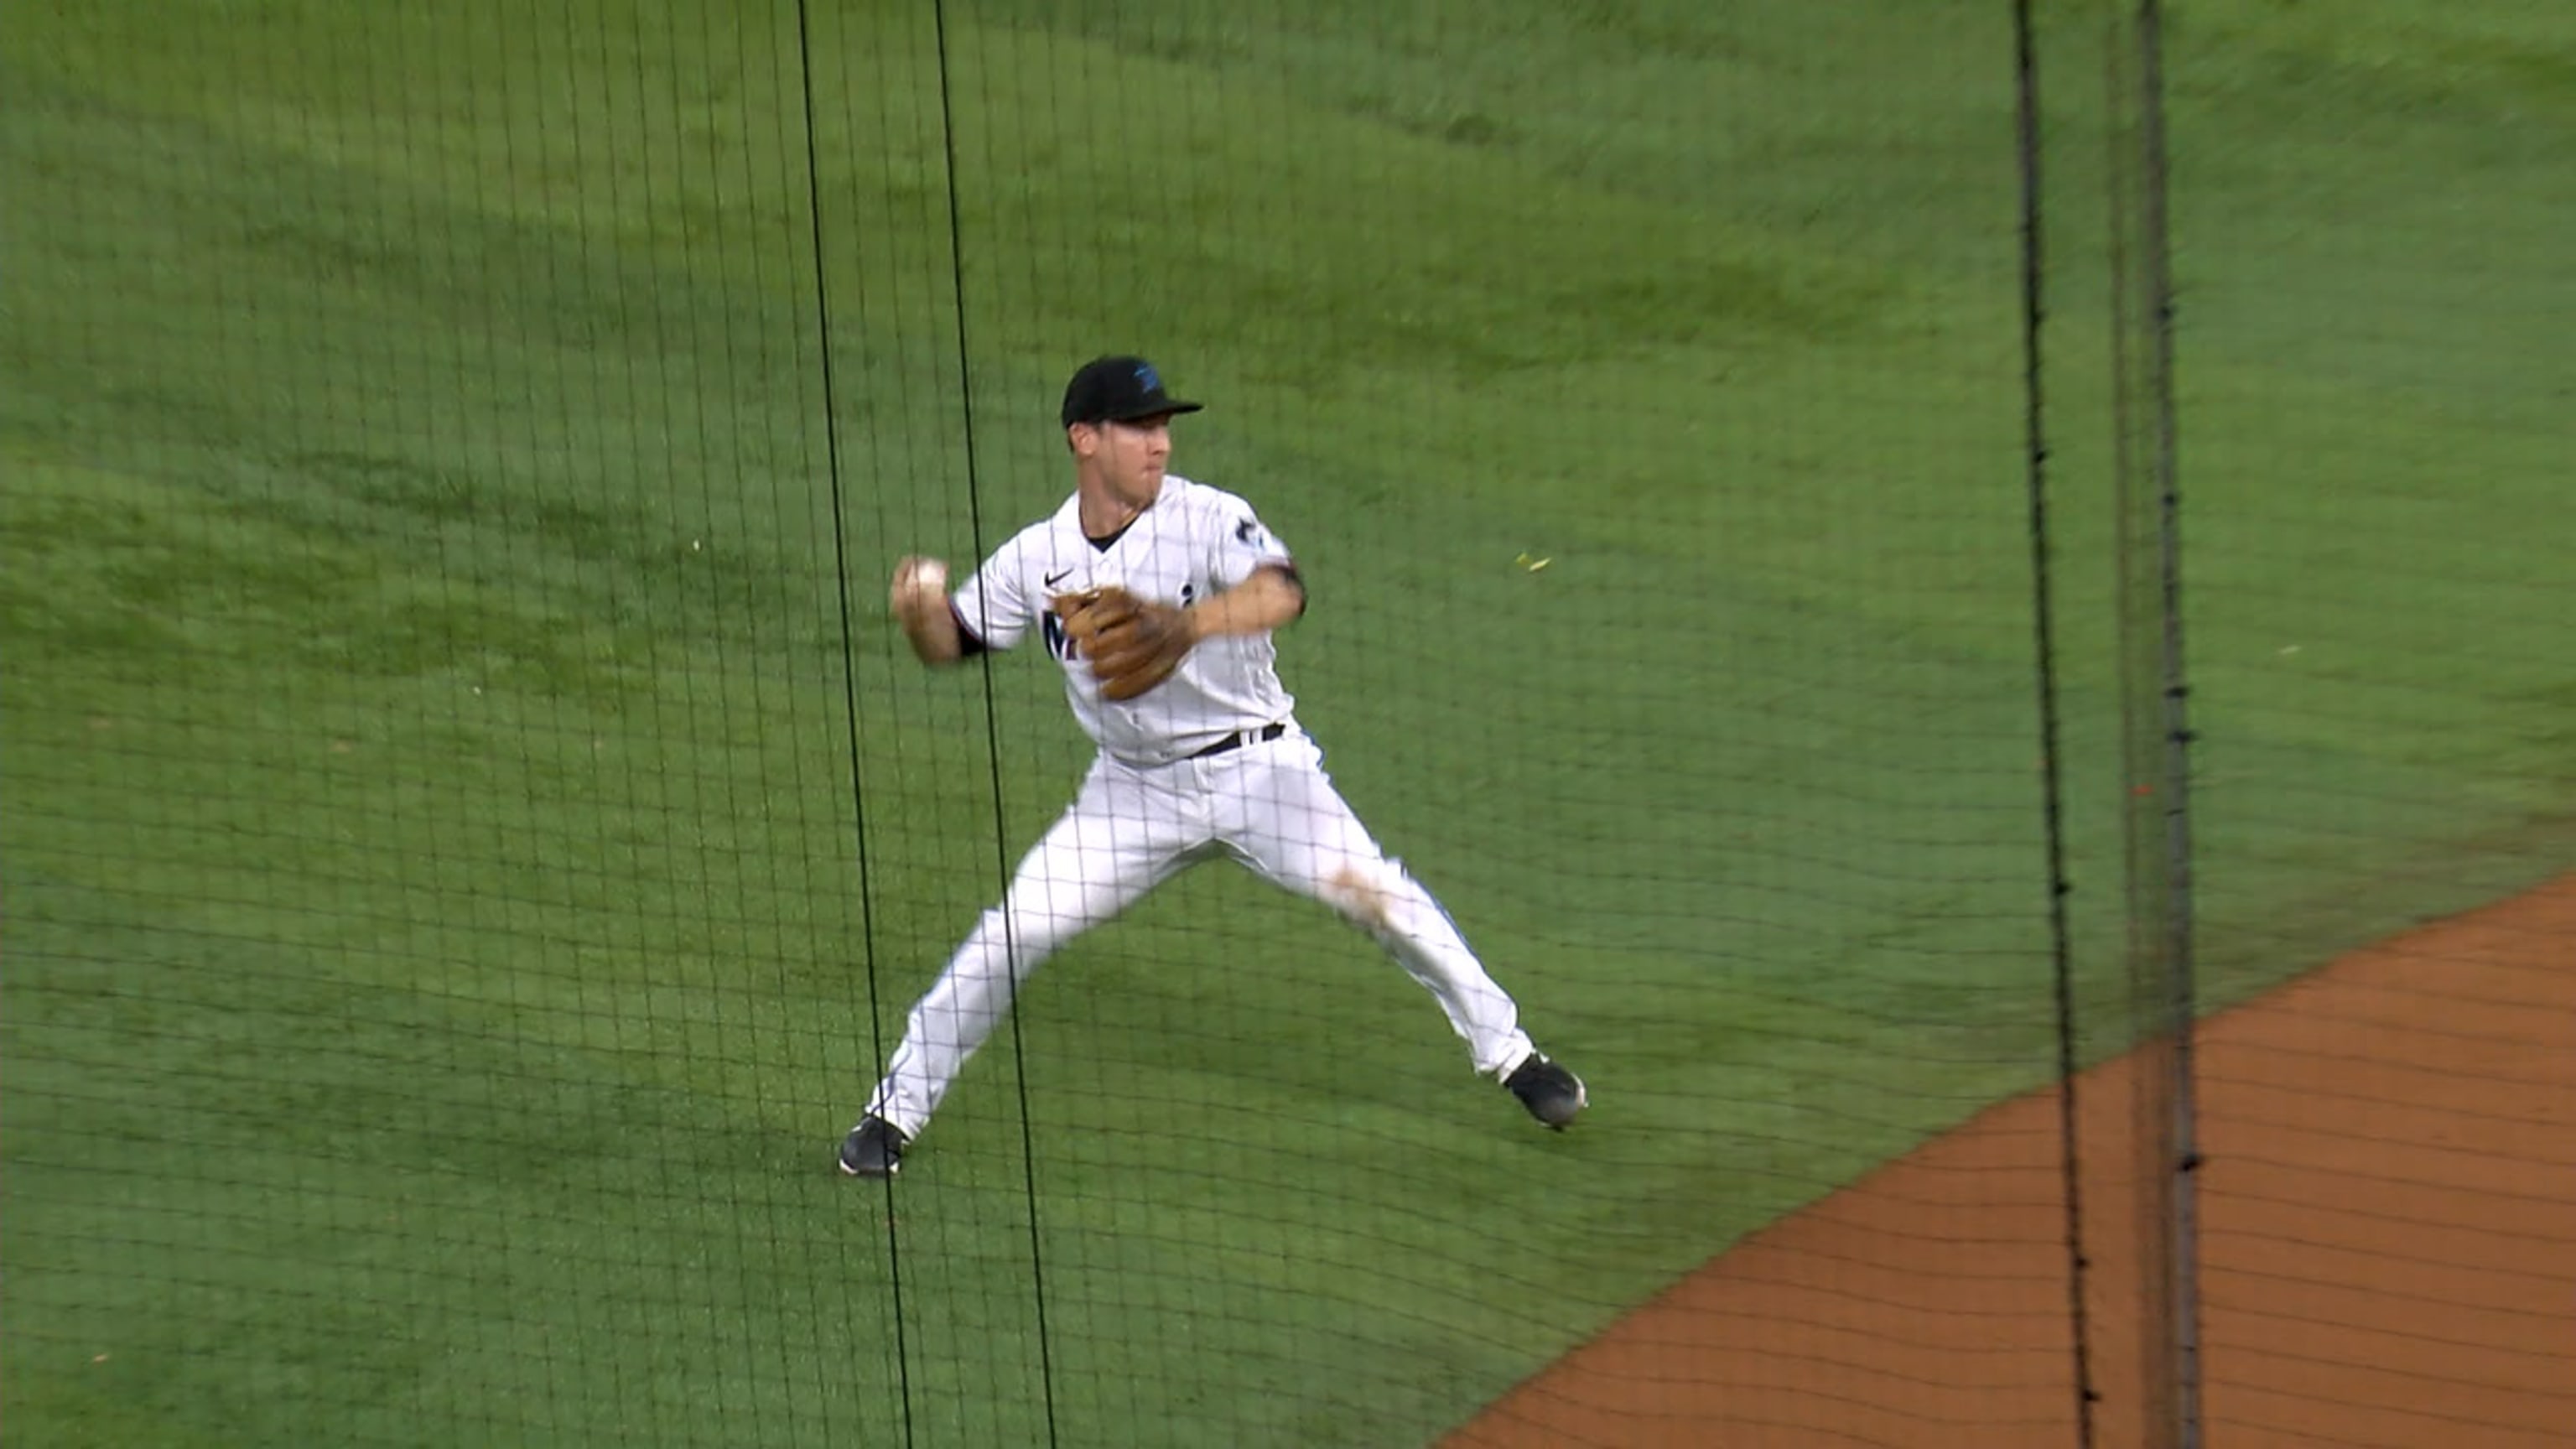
<point x="1081" y="438"/>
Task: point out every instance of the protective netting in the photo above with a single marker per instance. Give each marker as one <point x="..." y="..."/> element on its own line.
<point x="475" y="833"/>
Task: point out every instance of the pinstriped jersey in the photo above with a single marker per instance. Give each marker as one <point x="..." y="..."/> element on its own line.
<point x="1193" y="542"/>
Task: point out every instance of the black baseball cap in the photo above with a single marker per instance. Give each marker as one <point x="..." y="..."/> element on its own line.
<point x="1121" y="390"/>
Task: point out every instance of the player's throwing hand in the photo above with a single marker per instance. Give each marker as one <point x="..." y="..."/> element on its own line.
<point x="919" y="600"/>
<point x="920" y="584"/>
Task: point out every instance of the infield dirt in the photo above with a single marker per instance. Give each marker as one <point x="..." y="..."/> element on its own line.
<point x="2388" y="1244"/>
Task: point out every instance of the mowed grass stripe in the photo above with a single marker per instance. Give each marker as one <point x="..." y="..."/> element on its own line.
<point x="523" y="401"/>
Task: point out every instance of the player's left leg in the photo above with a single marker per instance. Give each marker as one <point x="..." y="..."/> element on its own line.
<point x="1278" y="810"/>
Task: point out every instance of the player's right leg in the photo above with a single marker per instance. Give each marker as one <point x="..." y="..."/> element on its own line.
<point x="1282" y="814"/>
<point x="1116" y="841"/>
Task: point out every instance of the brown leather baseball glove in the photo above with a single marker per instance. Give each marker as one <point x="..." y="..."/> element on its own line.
<point x="1133" y="644"/>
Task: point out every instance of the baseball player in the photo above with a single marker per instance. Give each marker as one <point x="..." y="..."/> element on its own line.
<point x="1157" y="597"/>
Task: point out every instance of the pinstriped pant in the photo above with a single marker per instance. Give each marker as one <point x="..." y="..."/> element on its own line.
<point x="1269" y="806"/>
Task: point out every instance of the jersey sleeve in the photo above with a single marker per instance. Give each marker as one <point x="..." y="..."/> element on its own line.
<point x="1243" y="546"/>
<point x="996" y="606"/>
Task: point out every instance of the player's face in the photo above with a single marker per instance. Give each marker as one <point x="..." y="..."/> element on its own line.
<point x="1131" y="457"/>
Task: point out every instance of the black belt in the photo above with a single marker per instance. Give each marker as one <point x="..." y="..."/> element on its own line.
<point x="1240" y="738"/>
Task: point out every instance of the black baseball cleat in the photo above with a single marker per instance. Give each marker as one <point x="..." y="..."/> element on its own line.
<point x="1551" y="1093"/>
<point x="874" y="1148"/>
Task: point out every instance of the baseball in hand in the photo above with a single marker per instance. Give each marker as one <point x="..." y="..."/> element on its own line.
<point x="919" y="583"/>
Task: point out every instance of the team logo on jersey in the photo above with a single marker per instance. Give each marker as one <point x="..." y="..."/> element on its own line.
<point x="1247" y="532"/>
<point x="1058" y="643"/>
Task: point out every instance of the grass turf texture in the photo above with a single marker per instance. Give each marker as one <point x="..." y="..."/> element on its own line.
<point x="451" y="856"/>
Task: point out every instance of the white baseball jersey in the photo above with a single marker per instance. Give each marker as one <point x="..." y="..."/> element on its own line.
<point x="1192" y="543"/>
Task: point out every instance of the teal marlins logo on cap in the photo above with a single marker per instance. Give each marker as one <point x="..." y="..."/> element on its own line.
<point x="1119" y="389"/>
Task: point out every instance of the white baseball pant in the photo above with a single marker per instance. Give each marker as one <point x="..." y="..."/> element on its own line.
<point x="1269" y="805"/>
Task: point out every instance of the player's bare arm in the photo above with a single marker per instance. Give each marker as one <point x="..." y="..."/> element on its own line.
<point x="1268" y="600"/>
<point x="920" y="603"/>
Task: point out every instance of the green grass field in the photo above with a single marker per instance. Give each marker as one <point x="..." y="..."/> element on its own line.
<point x="469" y="832"/>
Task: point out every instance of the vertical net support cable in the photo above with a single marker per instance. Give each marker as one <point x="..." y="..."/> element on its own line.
<point x="2156" y="737"/>
<point x="828" y="380"/>
<point x="982" y="543"/>
<point x="2182" y="1154"/>
<point x="2034" y="318"/>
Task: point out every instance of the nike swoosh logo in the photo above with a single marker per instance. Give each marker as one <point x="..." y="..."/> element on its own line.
<point x="1055" y="579"/>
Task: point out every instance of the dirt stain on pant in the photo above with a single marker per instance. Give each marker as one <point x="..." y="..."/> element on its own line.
<point x="1363" y="898"/>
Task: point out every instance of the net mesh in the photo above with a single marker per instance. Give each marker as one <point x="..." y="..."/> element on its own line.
<point x="475" y="833"/>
